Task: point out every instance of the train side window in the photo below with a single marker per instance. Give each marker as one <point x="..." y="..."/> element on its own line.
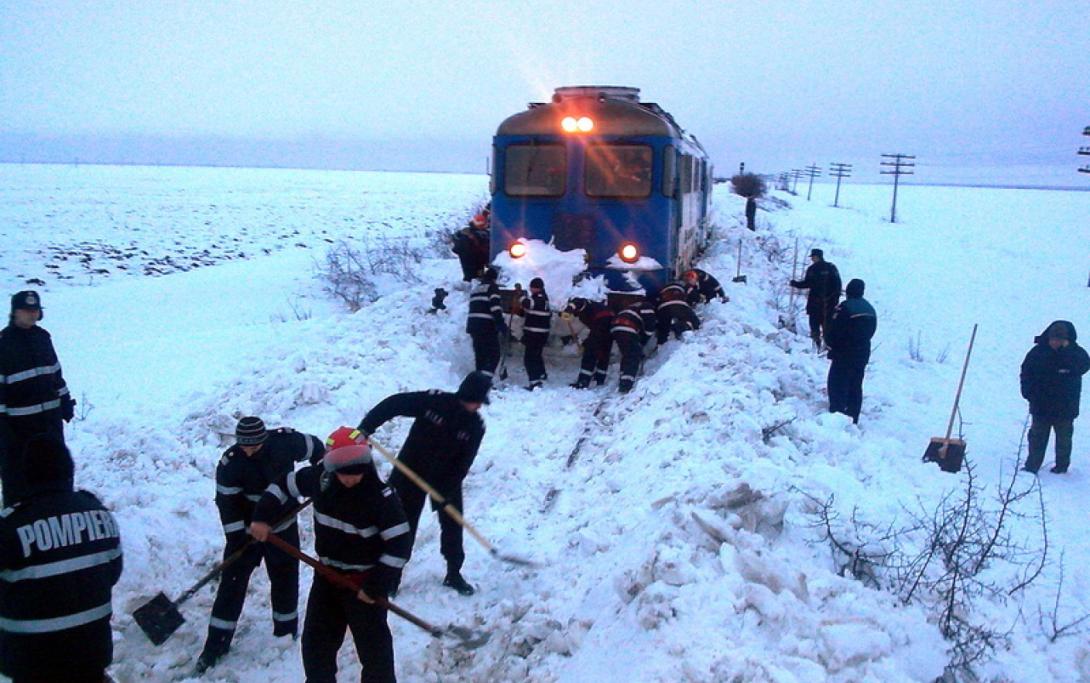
<point x="669" y="170"/>
<point x="492" y="170"/>
<point x="535" y="170"/>
<point x="619" y="171"/>
<point x="686" y="174"/>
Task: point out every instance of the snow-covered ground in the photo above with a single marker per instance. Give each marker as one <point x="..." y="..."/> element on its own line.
<point x="679" y="544"/>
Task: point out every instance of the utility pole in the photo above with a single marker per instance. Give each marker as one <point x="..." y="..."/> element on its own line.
<point x="1085" y="151"/>
<point x="839" y="170"/>
<point x="742" y="168"/>
<point x="783" y="181"/>
<point x="796" y="173"/>
<point x="901" y="164"/>
<point x="812" y="171"/>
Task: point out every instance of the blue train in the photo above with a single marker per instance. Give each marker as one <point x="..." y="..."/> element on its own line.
<point x="597" y="169"/>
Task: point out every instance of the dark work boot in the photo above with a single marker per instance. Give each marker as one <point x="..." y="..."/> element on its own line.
<point x="217" y="645"/>
<point x="454" y="580"/>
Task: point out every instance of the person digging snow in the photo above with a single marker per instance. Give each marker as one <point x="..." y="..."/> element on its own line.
<point x="597" y="347"/>
<point x="823" y="280"/>
<point x="1052" y="383"/>
<point x="359" y="529"/>
<point x="702" y="286"/>
<point x="848" y="336"/>
<point x="443" y="442"/>
<point x="258" y="458"/>
<point x="485" y="324"/>
<point x="674" y="314"/>
<point x="535" y="333"/>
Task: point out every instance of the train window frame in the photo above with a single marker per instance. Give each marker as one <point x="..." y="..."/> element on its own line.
<point x="686" y="181"/>
<point x="646" y="189"/>
<point x="669" y="170"/>
<point x="507" y="157"/>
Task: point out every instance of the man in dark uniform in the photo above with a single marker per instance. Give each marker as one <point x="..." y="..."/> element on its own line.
<point x="1052" y="383"/>
<point x="34" y="398"/>
<point x="257" y="459"/>
<point x="598" y="319"/>
<point x="60" y="556"/>
<point x="702" y="286"/>
<point x="442" y="444"/>
<point x="674" y="312"/>
<point x="485" y="323"/>
<point x="535" y="333"/>
<point x="848" y="336"/>
<point x="629" y="333"/>
<point x="823" y="280"/>
<point x="359" y="529"/>
<point x="471" y="244"/>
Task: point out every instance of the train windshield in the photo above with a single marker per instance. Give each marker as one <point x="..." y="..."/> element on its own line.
<point x="619" y="171"/>
<point x="535" y="170"/>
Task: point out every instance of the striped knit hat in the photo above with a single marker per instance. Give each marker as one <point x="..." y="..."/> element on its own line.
<point x="348" y="459"/>
<point x="250" y="431"/>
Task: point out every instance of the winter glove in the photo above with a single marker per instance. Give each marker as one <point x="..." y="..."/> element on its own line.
<point x="68" y="408"/>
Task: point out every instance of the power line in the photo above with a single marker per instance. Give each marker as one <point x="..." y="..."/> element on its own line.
<point x="901" y="164"/>
<point x="839" y="171"/>
<point x="813" y="172"/>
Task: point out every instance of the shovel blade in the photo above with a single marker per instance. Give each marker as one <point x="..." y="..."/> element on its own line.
<point x="740" y="278"/>
<point x="469" y="639"/>
<point x="158" y="618"/>
<point x="514" y="559"/>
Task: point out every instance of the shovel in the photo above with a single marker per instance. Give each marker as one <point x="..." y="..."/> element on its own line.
<point x="950" y="453"/>
<point x="507" y="339"/>
<point x="449" y="509"/>
<point x="159" y="617"/>
<point x="738" y="277"/>
<point x="467" y="638"/>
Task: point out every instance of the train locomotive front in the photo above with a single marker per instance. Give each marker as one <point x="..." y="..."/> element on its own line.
<point x="598" y="170"/>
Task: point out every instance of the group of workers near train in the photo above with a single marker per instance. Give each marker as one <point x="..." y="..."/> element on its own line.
<point x="60" y="548"/>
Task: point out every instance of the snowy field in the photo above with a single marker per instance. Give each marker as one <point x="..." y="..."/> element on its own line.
<point x="681" y="542"/>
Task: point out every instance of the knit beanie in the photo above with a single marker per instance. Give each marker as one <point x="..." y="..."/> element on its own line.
<point x="250" y="431"/>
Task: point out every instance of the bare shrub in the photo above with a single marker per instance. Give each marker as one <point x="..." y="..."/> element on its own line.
<point x="748" y="185"/>
<point x="350" y="272"/>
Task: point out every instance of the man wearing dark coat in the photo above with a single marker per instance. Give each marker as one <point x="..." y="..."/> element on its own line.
<point x="823" y="280"/>
<point x="34" y="398"/>
<point x="848" y="336"/>
<point x="1052" y="383"/>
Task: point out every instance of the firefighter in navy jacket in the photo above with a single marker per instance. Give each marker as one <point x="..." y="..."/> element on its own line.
<point x="359" y="529"/>
<point x="535" y="333"/>
<point x="848" y="336"/>
<point x="60" y="556"/>
<point x="441" y="446"/>
<point x="629" y="334"/>
<point x="702" y="286"/>
<point x="257" y="459"/>
<point x="674" y="312"/>
<point x="485" y="323"/>
<point x="598" y="319"/>
<point x="34" y="398"/>
<point x="823" y="280"/>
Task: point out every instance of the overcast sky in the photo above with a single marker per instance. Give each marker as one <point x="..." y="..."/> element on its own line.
<point x="422" y="85"/>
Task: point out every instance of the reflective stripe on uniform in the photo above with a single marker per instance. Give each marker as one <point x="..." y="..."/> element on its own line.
<point x="59" y="567"/>
<point x="396" y="530"/>
<point x="228" y="490"/>
<point x="56" y="623"/>
<point x="35" y="409"/>
<point x="63" y="391"/>
<point x="253" y="497"/>
<point x="3" y="409"/>
<point x="623" y="328"/>
<point x="486" y="316"/>
<point x="543" y="330"/>
<point x="278" y="492"/>
<point x="391" y="561"/>
<point x="334" y="523"/>
<point x="33" y="372"/>
<point x="293" y="488"/>
<point x="310" y="449"/>
<point x="216" y="622"/>
<point x="232" y="527"/>
<point x="280" y="616"/>
<point x="346" y="567"/>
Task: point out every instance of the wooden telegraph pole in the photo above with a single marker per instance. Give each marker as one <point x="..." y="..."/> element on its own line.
<point x="812" y="171"/>
<point x="901" y="164"/>
<point x="839" y="170"/>
<point x="796" y="173"/>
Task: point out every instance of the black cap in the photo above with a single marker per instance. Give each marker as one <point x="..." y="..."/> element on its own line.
<point x="817" y="252"/>
<point x="46" y="461"/>
<point x="855" y="288"/>
<point x="474" y="388"/>
<point x="26" y="300"/>
<point x="488" y="274"/>
<point x="537" y="283"/>
<point x="250" y="431"/>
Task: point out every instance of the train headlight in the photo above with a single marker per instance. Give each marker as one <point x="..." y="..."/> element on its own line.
<point x="585" y="124"/>
<point x="569" y="124"/>
<point x="517" y="250"/>
<point x="629" y="252"/>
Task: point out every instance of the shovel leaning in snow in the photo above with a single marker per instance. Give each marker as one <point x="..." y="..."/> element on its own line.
<point x="467" y="638"/>
<point x="950" y="453"/>
<point x="454" y="513"/>
<point x="160" y="617"/>
<point x="738" y="277"/>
